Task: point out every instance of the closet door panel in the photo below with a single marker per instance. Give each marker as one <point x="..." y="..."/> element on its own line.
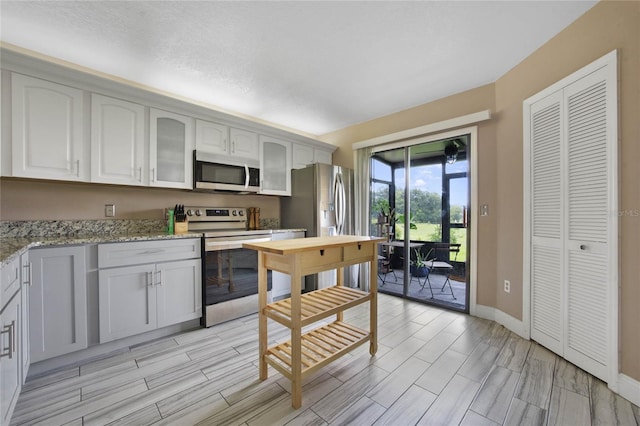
<point x="587" y="325"/>
<point x="587" y="165"/>
<point x="546" y="295"/>
<point x="588" y="317"/>
<point x="546" y="226"/>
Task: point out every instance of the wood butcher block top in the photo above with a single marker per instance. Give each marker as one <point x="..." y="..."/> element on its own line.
<point x="298" y="245"/>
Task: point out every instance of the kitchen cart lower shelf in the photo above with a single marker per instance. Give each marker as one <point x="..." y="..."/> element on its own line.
<point x="319" y="347"/>
<point x="317" y="305"/>
<point x="305" y="353"/>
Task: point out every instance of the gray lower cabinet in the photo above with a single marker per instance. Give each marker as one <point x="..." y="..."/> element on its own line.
<point x="10" y="342"/>
<point x="57" y="302"/>
<point x="139" y="298"/>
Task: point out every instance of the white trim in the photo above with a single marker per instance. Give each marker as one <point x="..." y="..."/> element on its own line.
<point x="464" y="120"/>
<point x="628" y="388"/>
<point x="475" y="210"/>
<point x="509" y="322"/>
<point x="526" y="217"/>
<point x="608" y="61"/>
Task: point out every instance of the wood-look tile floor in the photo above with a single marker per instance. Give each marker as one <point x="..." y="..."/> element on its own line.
<point x="432" y="367"/>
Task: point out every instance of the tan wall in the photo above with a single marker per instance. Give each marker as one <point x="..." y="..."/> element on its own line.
<point x="25" y="199"/>
<point x="468" y="102"/>
<point x="607" y="26"/>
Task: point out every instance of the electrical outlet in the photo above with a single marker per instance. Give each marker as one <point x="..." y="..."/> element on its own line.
<point x="507" y="286"/>
<point x="110" y="210"/>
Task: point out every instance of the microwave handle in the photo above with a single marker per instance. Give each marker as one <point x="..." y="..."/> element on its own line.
<point x="246" y="176"/>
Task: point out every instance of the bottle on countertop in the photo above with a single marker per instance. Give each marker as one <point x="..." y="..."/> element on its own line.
<point x="254" y="218"/>
<point x="170" y="220"/>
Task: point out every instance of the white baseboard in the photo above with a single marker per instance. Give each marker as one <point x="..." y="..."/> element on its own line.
<point x="629" y="388"/>
<point x="511" y="323"/>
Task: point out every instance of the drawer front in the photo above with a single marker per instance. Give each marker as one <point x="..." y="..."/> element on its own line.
<point x="140" y="252"/>
<point x="318" y="258"/>
<point x="362" y="252"/>
<point x="9" y="281"/>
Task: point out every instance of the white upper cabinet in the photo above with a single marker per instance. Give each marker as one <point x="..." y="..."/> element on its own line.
<point x="117" y="141"/>
<point x="244" y="144"/>
<point x="212" y="138"/>
<point x="322" y="157"/>
<point x="304" y="155"/>
<point x="275" y="166"/>
<point x="46" y="130"/>
<point x="170" y="150"/>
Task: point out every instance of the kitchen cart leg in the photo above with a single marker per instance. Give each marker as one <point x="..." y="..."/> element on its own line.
<point x="262" y="319"/>
<point x="373" y="305"/>
<point x="296" y="334"/>
<point x="340" y="282"/>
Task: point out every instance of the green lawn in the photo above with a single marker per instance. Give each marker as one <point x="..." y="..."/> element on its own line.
<point x="427" y="232"/>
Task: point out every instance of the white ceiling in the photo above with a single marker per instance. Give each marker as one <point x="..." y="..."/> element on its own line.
<point x="313" y="66"/>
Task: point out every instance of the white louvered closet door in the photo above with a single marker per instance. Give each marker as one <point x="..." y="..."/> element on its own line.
<point x="546" y="222"/>
<point x="572" y="257"/>
<point x="587" y="315"/>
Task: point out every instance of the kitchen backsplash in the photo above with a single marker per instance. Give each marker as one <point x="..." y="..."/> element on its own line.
<point x="54" y="228"/>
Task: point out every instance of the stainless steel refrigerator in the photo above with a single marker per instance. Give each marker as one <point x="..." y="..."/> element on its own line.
<point x="321" y="202"/>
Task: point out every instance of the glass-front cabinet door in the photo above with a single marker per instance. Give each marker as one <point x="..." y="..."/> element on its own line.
<point x="275" y="166"/>
<point x="170" y="150"/>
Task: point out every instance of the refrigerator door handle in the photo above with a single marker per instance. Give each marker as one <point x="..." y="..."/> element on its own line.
<point x="339" y="202"/>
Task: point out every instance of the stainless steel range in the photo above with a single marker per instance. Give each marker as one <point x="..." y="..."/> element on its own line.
<point x="229" y="272"/>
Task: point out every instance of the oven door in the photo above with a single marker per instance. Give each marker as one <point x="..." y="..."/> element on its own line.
<point x="230" y="272"/>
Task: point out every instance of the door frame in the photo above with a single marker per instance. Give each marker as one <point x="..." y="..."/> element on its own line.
<point x="474" y="209"/>
<point x="610" y="61"/>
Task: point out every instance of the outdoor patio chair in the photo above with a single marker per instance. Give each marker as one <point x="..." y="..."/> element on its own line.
<point x="446" y="268"/>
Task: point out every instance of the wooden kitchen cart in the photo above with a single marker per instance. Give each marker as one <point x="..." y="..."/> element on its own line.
<point x="306" y="353"/>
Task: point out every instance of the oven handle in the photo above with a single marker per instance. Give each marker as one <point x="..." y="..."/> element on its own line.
<point x="231" y="243"/>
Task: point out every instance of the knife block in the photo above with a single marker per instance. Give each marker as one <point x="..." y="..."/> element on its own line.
<point x="180" y="228"/>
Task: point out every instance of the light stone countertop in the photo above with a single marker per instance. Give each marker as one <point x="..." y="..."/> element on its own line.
<point x="12" y="247"/>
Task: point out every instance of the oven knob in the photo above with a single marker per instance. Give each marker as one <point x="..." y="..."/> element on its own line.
<point x="198" y="212"/>
<point x="241" y="212"/>
<point x="189" y="212"/>
<point x="234" y="212"/>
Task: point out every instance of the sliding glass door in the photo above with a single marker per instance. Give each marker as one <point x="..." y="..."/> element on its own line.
<point x="420" y="200"/>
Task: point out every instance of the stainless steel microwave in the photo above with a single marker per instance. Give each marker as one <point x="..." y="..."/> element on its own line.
<point x="210" y="173"/>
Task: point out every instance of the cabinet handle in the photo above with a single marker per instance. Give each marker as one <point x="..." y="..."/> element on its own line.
<point x="150" y="282"/>
<point x="29" y="268"/>
<point x="140" y="174"/>
<point x="583" y="247"/>
<point x="233" y="147"/>
<point x="159" y="277"/>
<point x="153" y="175"/>
<point x="152" y="251"/>
<point x="11" y="349"/>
